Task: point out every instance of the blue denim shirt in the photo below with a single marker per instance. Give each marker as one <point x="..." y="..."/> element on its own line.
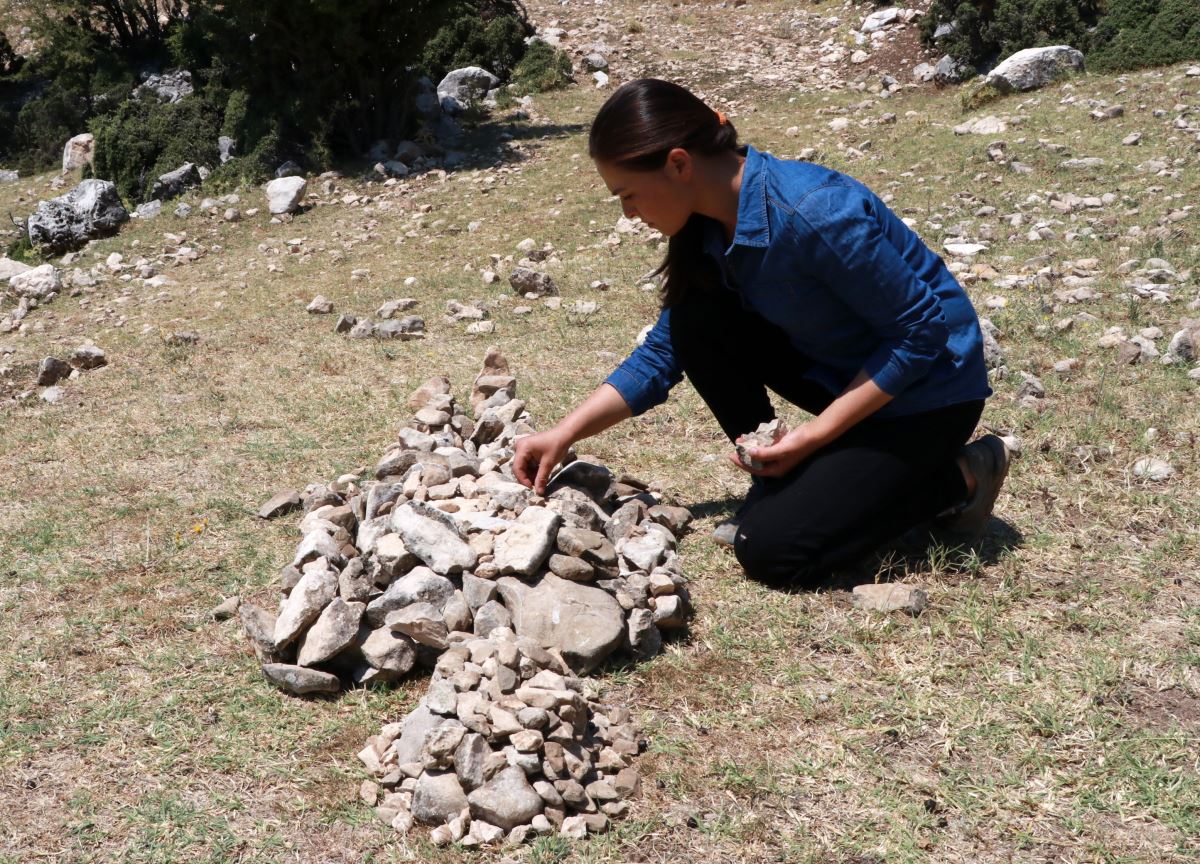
<point x="819" y="255"/>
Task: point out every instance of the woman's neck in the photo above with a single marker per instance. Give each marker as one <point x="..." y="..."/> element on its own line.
<point x="719" y="185"/>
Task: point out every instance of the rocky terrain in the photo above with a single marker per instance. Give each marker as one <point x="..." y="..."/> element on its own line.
<point x="1036" y="701"/>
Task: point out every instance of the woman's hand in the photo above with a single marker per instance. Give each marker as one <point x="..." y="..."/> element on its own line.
<point x="535" y="456"/>
<point x="784" y="455"/>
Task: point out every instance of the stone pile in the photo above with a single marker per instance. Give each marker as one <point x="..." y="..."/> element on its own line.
<point x="443" y="545"/>
<point x="508" y="742"/>
<point x="443" y="560"/>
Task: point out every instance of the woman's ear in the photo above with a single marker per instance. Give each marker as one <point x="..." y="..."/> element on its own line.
<point x="680" y="164"/>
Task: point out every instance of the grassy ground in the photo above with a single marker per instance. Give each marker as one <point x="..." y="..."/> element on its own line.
<point x="1045" y="708"/>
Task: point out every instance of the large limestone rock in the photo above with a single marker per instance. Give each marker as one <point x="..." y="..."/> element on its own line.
<point x="464" y="87"/>
<point x="507" y="800"/>
<point x="312" y="593"/>
<point x="175" y="183"/>
<point x="79" y="151"/>
<point x="284" y="194"/>
<point x="90" y="210"/>
<point x="334" y="629"/>
<point x="1034" y="67"/>
<point x="40" y="283"/>
<point x="523" y="547"/>
<point x="586" y="624"/>
<point x="10" y="268"/>
<point x="432" y="536"/>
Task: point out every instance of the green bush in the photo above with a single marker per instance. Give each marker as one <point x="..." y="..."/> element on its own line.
<point x="10" y="61"/>
<point x="144" y="138"/>
<point x="1139" y="33"/>
<point x="542" y="68"/>
<point x="496" y="45"/>
<point x="986" y="30"/>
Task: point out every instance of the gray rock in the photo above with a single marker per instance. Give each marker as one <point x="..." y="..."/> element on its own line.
<point x="524" y="546"/>
<point x="259" y="626"/>
<point x="334" y="629"/>
<point x="422" y="622"/>
<point x="584" y="623"/>
<point x="284" y="194"/>
<point x="526" y="281"/>
<point x="433" y="537"/>
<point x="417" y="726"/>
<point x="670" y="612"/>
<point x="151" y="209"/>
<point x="470" y="759"/>
<point x="1032" y="68"/>
<point x="279" y="504"/>
<point x="462" y="88"/>
<point x="227" y="147"/>
<point x="9" y="176"/>
<point x="421" y="585"/>
<point x="52" y="370"/>
<point x="300" y="680"/>
<point x="169" y="87"/>
<point x="645" y="639"/>
<point x="478" y="591"/>
<point x="490" y="616"/>
<point x="78" y="152"/>
<point x="404" y="329"/>
<point x="87" y="357"/>
<point x="890" y="597"/>
<point x="226" y="609"/>
<point x="950" y="71"/>
<point x="175" y="183"/>
<point x="595" y="62"/>
<point x="39" y="283"/>
<point x="507" y="800"/>
<point x="438" y="797"/>
<point x="10" y="268"/>
<point x="317" y="586"/>
<point x="880" y="19"/>
<point x="389" y="652"/>
<point x="90" y="210"/>
<point x="573" y="569"/>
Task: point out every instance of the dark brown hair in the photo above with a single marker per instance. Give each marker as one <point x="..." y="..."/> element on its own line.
<point x="635" y="129"/>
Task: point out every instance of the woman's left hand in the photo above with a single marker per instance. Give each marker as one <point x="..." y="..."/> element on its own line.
<point x="785" y="454"/>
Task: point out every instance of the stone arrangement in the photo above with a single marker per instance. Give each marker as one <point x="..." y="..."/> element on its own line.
<point x="442" y="560"/>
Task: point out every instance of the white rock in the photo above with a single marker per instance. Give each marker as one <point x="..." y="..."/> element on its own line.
<point x="1034" y="67"/>
<point x="284" y="194"/>
<point x="1150" y="468"/>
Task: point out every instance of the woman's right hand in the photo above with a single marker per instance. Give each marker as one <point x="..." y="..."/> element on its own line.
<point x="535" y="456"/>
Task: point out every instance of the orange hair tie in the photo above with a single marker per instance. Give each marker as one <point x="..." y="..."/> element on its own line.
<point x="721" y="119"/>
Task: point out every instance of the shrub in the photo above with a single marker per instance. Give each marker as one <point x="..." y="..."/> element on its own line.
<point x="986" y="30"/>
<point x="1138" y="33"/>
<point x="144" y="138"/>
<point x="10" y="61"/>
<point x="542" y="68"/>
<point x="496" y="45"/>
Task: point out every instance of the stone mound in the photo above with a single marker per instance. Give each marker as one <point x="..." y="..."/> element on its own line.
<point x="443" y="560"/>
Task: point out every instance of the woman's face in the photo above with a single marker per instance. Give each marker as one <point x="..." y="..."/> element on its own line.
<point x="660" y="198"/>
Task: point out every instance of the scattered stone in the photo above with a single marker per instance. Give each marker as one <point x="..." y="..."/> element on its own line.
<point x="1150" y="468"/>
<point x="890" y="597"/>
<point x="52" y="370"/>
<point x="88" y="357"/>
<point x="175" y="183"/>
<point x="1033" y="68"/>
<point x="90" y="210"/>
<point x="281" y="502"/>
<point x="526" y="281"/>
<point x="284" y="194"/>
<point x="300" y="680"/>
<point x="226" y="609"/>
<point x="319" y="305"/>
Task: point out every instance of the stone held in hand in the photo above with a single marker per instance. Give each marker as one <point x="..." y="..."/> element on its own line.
<point x="764" y="436"/>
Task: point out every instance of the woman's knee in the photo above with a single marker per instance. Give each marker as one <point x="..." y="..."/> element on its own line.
<point x="776" y="559"/>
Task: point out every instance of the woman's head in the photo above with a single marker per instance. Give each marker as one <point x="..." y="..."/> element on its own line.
<point x="644" y="141"/>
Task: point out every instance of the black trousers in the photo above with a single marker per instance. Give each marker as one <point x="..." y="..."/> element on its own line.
<point x="879" y="479"/>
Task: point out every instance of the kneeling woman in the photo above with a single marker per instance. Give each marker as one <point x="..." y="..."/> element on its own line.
<point x="787" y="276"/>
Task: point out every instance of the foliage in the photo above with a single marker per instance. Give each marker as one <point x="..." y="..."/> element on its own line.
<point x="471" y="40"/>
<point x="10" y="61"/>
<point x="144" y="138"/>
<point x="542" y="68"/>
<point x="989" y="29"/>
<point x="1138" y="33"/>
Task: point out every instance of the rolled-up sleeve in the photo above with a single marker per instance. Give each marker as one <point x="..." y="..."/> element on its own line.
<point x="842" y="239"/>
<point x="649" y="373"/>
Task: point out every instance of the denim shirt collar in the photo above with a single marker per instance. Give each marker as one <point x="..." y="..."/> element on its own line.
<point x="752" y="228"/>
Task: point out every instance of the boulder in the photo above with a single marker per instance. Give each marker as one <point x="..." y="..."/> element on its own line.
<point x="79" y="151"/>
<point x="284" y="194"/>
<point x="880" y="19"/>
<point x="40" y="283"/>
<point x="464" y="87"/>
<point x="174" y="183"/>
<point x="168" y="87"/>
<point x="227" y="147"/>
<point x="507" y="800"/>
<point x="585" y="623"/>
<point x="90" y="210"/>
<point x="951" y="71"/>
<point x="10" y="268"/>
<point x="1034" y="67"/>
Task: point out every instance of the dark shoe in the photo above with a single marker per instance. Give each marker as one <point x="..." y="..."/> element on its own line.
<point x="726" y="531"/>
<point x="987" y="460"/>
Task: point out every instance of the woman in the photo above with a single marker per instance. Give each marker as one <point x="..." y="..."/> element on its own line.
<point x="788" y="276"/>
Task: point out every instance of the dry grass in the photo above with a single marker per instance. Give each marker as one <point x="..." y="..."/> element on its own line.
<point x="1045" y="708"/>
